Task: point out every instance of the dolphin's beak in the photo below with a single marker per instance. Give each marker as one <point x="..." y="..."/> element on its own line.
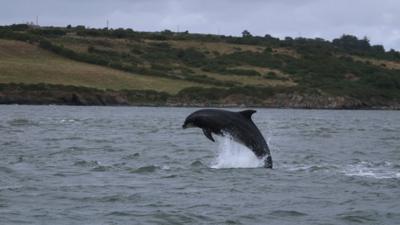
<point x="187" y="125"/>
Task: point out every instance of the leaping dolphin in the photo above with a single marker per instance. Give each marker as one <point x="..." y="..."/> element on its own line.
<point x="238" y="124"/>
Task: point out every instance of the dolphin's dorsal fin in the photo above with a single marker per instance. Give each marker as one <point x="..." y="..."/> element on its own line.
<point x="248" y="113"/>
<point x="207" y="133"/>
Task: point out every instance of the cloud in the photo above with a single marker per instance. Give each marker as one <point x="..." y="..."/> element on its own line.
<point x="378" y="20"/>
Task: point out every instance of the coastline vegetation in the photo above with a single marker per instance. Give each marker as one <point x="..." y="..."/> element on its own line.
<point x="205" y="67"/>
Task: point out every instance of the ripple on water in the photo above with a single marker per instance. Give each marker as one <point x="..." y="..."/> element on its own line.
<point x="84" y="163"/>
<point x="6" y="169"/>
<point x="67" y="138"/>
<point x="172" y="218"/>
<point x="120" y="213"/>
<point x="197" y="164"/>
<point x="114" y="198"/>
<point x="96" y="166"/>
<point x="70" y="150"/>
<point x="145" y="169"/>
<point x="22" y="122"/>
<point x="132" y="156"/>
<point x="233" y="222"/>
<point x="310" y="168"/>
<point x="358" y="216"/>
<point x="170" y="176"/>
<point x="287" y="213"/>
<point x="102" y="168"/>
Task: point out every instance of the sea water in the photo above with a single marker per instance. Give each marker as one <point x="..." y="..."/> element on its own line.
<point x="136" y="165"/>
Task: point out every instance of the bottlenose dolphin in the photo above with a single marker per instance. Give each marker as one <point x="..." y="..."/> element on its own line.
<point x="237" y="124"/>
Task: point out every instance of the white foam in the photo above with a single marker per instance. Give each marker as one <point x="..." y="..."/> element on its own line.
<point x="231" y="154"/>
<point x="366" y="169"/>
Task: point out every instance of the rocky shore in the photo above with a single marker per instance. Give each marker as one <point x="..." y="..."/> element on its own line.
<point x="64" y="95"/>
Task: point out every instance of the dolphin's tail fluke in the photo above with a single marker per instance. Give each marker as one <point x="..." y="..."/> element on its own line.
<point x="268" y="162"/>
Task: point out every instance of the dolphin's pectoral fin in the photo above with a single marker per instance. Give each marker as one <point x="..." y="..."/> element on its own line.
<point x="207" y="133"/>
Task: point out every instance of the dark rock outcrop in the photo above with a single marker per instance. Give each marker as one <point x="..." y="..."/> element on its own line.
<point x="44" y="94"/>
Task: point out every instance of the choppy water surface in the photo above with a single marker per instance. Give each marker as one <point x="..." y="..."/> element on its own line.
<point x="128" y="165"/>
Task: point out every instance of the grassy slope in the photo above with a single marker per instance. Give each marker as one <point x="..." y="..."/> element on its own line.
<point x="81" y="44"/>
<point x="377" y="62"/>
<point x="21" y="62"/>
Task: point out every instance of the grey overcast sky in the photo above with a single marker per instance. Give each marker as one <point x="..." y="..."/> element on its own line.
<point x="379" y="20"/>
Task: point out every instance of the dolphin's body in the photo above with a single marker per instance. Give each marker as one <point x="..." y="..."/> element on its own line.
<point x="238" y="124"/>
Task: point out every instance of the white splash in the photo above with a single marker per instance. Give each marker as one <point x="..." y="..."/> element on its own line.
<point x="234" y="155"/>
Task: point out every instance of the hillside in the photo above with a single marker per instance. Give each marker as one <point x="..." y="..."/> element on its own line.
<point x="195" y="69"/>
<point x="21" y="62"/>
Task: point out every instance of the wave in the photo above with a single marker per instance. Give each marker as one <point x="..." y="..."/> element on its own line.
<point x="231" y="154"/>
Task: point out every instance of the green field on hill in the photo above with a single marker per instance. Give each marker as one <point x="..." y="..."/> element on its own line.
<point x="123" y="59"/>
<point x="22" y="62"/>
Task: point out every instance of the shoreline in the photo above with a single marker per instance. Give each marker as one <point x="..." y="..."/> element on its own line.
<point x="45" y="94"/>
<point x="375" y="108"/>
